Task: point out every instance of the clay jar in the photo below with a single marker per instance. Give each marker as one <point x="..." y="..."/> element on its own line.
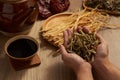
<point x="17" y="15"/>
<point x="21" y="48"/>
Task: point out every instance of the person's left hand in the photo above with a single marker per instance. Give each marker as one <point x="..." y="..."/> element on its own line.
<point x="73" y="60"/>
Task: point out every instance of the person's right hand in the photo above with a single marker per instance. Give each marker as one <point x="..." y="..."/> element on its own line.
<point x="102" y="51"/>
<point x="102" y="68"/>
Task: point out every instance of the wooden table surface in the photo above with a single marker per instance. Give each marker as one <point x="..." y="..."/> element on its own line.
<point x="53" y="68"/>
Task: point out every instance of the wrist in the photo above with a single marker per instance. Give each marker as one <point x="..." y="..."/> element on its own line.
<point x="100" y="62"/>
<point x="83" y="71"/>
<point x="83" y="68"/>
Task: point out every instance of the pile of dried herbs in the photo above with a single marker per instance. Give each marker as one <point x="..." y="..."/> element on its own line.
<point x="113" y="5"/>
<point x="83" y="44"/>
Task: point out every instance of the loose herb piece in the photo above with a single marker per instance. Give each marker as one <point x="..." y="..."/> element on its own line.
<point x="111" y="5"/>
<point x="83" y="44"/>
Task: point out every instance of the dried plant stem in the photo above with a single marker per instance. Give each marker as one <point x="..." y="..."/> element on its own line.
<point x="83" y="44"/>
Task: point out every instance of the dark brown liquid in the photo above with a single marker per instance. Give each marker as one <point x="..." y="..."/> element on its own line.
<point x="22" y="48"/>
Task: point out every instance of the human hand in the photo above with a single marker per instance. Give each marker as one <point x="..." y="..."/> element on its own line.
<point x="74" y="61"/>
<point x="71" y="59"/>
<point x="102" y="51"/>
<point x="103" y="69"/>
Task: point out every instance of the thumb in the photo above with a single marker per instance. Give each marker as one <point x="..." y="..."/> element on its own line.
<point x="63" y="50"/>
<point x="100" y="38"/>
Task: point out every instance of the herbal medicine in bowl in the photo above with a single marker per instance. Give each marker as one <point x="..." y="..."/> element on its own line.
<point x="83" y="44"/>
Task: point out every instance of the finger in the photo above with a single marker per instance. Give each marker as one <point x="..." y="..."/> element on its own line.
<point x="63" y="50"/>
<point x="85" y="30"/>
<point x="69" y="34"/>
<point x="65" y="35"/>
<point x="100" y="38"/>
<point x="79" y="28"/>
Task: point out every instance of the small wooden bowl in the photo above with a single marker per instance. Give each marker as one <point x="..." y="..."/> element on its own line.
<point x="28" y="58"/>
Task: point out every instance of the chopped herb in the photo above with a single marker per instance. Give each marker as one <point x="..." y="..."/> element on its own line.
<point x="83" y="44"/>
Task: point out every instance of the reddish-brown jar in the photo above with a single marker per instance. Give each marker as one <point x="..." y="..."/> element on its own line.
<point x="17" y="15"/>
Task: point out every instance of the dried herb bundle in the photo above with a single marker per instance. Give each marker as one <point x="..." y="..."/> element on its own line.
<point x="112" y="5"/>
<point x="83" y="44"/>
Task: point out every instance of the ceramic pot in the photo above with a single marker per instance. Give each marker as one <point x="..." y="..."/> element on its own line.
<point x="17" y="16"/>
<point x="21" y="48"/>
